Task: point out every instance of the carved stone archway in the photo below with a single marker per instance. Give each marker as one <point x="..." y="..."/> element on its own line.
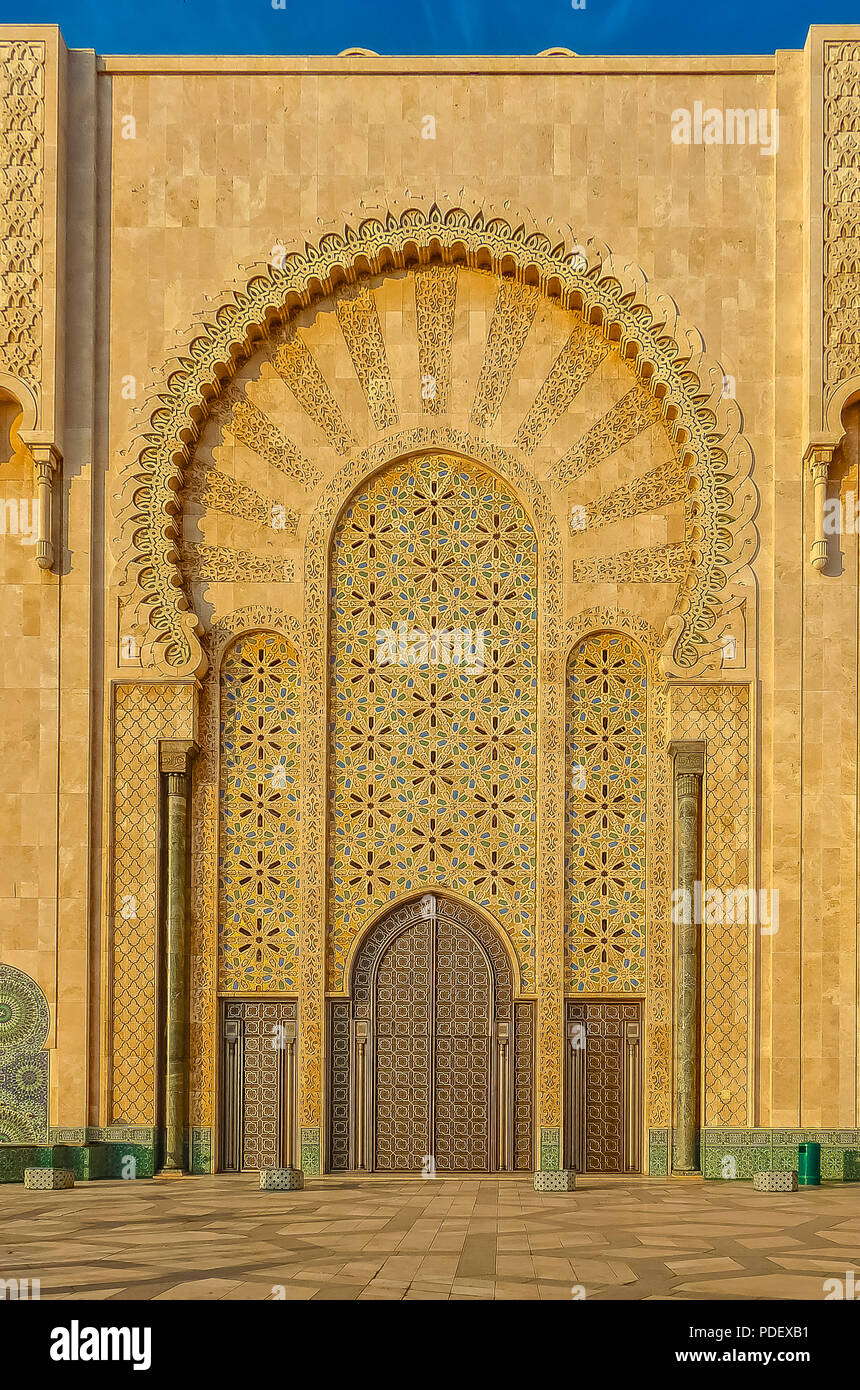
<point x="666" y="356"/>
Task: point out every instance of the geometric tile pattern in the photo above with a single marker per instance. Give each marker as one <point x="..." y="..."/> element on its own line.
<point x="433" y="761"/>
<point x="143" y="714"/>
<point x="260" y="814"/>
<point x="387" y="1239"/>
<point x="720" y="716"/>
<point x="741" y="1153"/>
<point x="281" y="1180"/>
<point x="24" y="1023"/>
<point x="48" y="1179"/>
<point x="605" y="824"/>
<point x="564" y="1180"/>
<point x="775" y="1182"/>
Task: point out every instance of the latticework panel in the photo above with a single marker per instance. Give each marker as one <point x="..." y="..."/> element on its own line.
<point x="260" y="803"/>
<point x="606" y="815"/>
<point x="719" y="715"/>
<point x="433" y="699"/>
<point x="463" y="1022"/>
<point x="143" y="714"/>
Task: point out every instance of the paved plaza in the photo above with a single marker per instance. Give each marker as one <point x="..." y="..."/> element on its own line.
<point x="471" y="1238"/>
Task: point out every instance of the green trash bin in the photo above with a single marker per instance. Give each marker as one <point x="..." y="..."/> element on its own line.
<point x="809" y="1165"/>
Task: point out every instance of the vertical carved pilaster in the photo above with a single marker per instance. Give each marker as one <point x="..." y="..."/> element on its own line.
<point x="689" y="767"/>
<point x="175" y="757"/>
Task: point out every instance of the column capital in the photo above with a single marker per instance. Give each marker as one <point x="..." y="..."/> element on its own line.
<point x="176" y="754"/>
<point x="689" y="758"/>
<point x="819" y="453"/>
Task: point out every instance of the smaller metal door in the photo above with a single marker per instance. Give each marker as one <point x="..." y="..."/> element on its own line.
<point x="257" y="1085"/>
<point x="603" y="1086"/>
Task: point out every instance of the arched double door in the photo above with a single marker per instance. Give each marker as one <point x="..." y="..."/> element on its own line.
<point x="431" y="1058"/>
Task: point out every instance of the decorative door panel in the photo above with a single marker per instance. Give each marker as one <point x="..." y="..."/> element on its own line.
<point x="257" y="1085"/>
<point x="402" y="1047"/>
<point x="603" y="1083"/>
<point x="464" y="1019"/>
<point x="430" y="1060"/>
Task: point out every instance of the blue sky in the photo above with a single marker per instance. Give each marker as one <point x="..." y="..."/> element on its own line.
<point x="432" y="26"/>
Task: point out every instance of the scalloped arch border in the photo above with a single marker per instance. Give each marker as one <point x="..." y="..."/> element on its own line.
<point x="666" y="355"/>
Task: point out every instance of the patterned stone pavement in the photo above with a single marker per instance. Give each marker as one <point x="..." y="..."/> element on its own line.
<point x="463" y="1238"/>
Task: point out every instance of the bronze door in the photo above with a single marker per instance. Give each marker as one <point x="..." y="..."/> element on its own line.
<point x="257" y="1084"/>
<point x="431" y="1057"/>
<point x="603" y="1083"/>
<point x="433" y="1017"/>
<point x="403" y="1043"/>
<point x="464" y="1020"/>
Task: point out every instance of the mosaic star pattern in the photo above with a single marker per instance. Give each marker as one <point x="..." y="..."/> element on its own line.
<point x="259" y="815"/>
<point x="605" y="827"/>
<point x="433" y="759"/>
<point x="24" y="1023"/>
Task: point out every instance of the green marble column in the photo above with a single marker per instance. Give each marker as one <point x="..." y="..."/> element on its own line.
<point x="689" y="766"/>
<point x="175" y="761"/>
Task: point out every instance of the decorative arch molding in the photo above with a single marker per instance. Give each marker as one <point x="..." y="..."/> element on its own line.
<point x="847" y="394"/>
<point x="204" y="854"/>
<point x="667" y="356"/>
<point x="402" y="911"/>
<point x="24" y="396"/>
<point x="658" y="1006"/>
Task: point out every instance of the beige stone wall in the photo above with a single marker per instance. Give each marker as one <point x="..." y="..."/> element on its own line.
<point x="202" y="169"/>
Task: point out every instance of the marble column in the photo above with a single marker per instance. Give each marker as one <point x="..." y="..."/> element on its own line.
<point x="689" y="768"/>
<point x="175" y="760"/>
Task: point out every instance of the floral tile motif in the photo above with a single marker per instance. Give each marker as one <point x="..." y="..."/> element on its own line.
<point x="259" y="868"/>
<point x="606" y="815"/>
<point x="433" y="665"/>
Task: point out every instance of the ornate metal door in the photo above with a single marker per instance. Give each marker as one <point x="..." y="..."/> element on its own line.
<point x="257" y="1085"/>
<point x="604" y="1086"/>
<point x="431" y="1065"/>
<point x="432" y="1025"/>
<point x="402" y="1038"/>
<point x="462" y="1056"/>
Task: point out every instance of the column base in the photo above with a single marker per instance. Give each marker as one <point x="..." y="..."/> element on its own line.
<point x="555" y="1180"/>
<point x="171" y="1173"/>
<point x="281" y="1179"/>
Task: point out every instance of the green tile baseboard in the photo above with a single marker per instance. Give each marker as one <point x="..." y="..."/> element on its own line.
<point x="737" y="1154"/>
